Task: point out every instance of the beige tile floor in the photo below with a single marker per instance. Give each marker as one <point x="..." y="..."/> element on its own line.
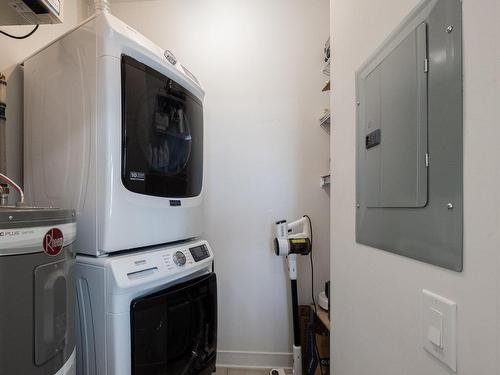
<point x="232" y="371"/>
<point x="238" y="371"/>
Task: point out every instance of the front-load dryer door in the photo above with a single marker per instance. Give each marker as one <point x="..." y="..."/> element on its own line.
<point x="174" y="331"/>
<point x="162" y="134"/>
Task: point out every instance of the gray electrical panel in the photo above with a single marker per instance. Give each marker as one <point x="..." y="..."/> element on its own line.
<point x="409" y="173"/>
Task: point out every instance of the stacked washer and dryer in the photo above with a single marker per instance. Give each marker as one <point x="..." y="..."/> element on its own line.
<point x="114" y="128"/>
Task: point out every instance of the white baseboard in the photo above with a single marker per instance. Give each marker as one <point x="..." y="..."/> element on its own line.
<point x="241" y="359"/>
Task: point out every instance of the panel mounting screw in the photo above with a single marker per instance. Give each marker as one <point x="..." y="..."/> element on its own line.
<point x="11" y="217"/>
<point x="357" y="205"/>
<point x="358" y="103"/>
<point x="449" y="29"/>
<point x="450" y="206"/>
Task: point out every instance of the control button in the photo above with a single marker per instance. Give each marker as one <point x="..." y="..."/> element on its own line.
<point x="179" y="258"/>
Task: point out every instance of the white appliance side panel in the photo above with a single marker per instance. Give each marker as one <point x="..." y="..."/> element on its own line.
<point x="129" y="220"/>
<point x="118" y="348"/>
<point x="91" y="329"/>
<point x="59" y="127"/>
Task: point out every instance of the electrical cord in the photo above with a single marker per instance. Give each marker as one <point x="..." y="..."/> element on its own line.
<point x="22" y="36"/>
<point x="312" y="294"/>
<point x="15" y="186"/>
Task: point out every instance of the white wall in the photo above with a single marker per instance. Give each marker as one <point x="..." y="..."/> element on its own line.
<point x="12" y="53"/>
<point x="260" y="63"/>
<point x="376" y="305"/>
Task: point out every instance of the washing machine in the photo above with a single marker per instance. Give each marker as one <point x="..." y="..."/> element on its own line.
<point x="37" y="295"/>
<point x="148" y="312"/>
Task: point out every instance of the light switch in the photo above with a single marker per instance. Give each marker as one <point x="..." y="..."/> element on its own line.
<point x="439" y="317"/>
<point x="435" y="329"/>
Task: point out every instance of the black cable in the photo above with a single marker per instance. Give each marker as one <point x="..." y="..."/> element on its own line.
<point x="312" y="295"/>
<point x="22" y="36"/>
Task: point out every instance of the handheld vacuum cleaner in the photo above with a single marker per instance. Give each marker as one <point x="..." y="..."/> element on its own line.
<point x="293" y="239"/>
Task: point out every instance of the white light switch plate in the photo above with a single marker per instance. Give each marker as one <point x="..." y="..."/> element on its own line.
<point x="439" y="328"/>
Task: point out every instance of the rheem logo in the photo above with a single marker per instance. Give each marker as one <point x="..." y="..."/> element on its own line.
<point x="53" y="242"/>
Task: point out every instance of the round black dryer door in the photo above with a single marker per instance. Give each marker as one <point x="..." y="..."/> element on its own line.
<point x="162" y="134"/>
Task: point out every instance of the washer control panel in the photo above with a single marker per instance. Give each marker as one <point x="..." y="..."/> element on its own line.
<point x="159" y="263"/>
<point x="199" y="252"/>
<point x="182" y="257"/>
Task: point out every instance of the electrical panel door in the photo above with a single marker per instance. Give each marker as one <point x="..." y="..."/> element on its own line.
<point x="395" y="125"/>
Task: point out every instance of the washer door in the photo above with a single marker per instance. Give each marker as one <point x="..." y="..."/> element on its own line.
<point x="175" y="331"/>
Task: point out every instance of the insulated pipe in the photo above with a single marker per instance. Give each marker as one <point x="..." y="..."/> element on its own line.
<point x="101" y="6"/>
<point x="3" y="107"/>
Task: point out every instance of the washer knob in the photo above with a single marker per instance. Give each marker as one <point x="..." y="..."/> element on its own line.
<point x="179" y="258"/>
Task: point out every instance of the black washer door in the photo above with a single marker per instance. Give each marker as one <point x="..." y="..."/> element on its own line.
<point x="174" y="332"/>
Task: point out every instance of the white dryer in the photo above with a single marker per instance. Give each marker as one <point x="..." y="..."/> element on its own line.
<point x="148" y="312"/>
<point x="114" y="128"/>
